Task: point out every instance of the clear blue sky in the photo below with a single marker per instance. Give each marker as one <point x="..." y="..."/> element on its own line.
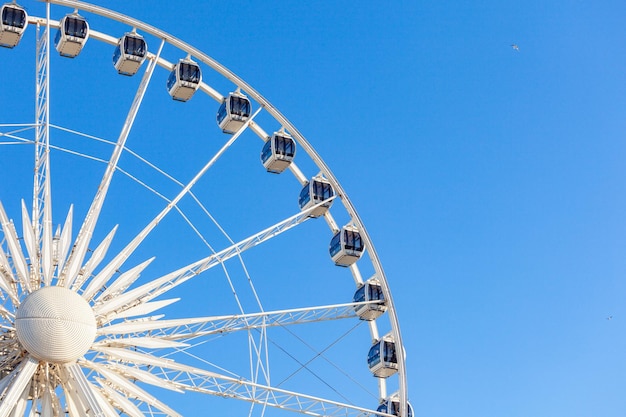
<point x="491" y="179"/>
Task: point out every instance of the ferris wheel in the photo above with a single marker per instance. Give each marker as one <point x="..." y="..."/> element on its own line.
<point x="156" y="257"/>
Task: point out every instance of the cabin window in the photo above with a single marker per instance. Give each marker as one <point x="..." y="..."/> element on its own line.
<point x="390" y="352"/>
<point x="76" y="27"/>
<point x="13" y="17"/>
<point x="221" y="112"/>
<point x="284" y="146"/>
<point x="267" y="151"/>
<point x="335" y="244"/>
<point x="322" y="190"/>
<point x="171" y="80"/>
<point x="353" y="240"/>
<point x="116" y="54"/>
<point x="239" y="106"/>
<point x="305" y="196"/>
<point x="376" y="293"/>
<point x="373" y="357"/>
<point x="134" y="46"/>
<point x="189" y="72"/>
<point x="359" y="295"/>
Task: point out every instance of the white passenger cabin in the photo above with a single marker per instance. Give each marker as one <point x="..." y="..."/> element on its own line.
<point x="382" y="359"/>
<point x="184" y="80"/>
<point x="278" y="152"/>
<point x="370" y="290"/>
<point x="314" y="192"/>
<point x="233" y="112"/>
<point x="130" y="53"/>
<point x="391" y="405"/>
<point x="346" y="246"/>
<point x="72" y="35"/>
<point x="12" y="25"/>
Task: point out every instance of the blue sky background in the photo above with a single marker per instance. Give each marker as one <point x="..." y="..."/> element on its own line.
<point x="490" y="179"/>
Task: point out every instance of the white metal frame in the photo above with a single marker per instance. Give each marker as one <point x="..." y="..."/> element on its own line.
<point x="47" y="252"/>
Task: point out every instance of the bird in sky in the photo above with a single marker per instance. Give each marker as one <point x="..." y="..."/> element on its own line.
<point x="609" y="318"/>
<point x="515" y="47"/>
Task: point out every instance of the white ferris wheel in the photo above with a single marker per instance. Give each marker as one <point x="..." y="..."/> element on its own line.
<point x="150" y="263"/>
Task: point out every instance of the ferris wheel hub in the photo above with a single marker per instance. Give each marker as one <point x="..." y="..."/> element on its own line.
<point x="55" y="324"/>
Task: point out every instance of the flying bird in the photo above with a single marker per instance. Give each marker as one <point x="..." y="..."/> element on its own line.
<point x="609" y="318"/>
<point x="515" y="47"/>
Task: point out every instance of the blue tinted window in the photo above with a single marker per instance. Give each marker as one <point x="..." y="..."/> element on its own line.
<point x="376" y="292"/>
<point x="335" y="244"/>
<point x="267" y="151"/>
<point x="116" y="54"/>
<point x="284" y="146"/>
<point x="390" y="352"/>
<point x="189" y="72"/>
<point x="373" y="356"/>
<point x="305" y="196"/>
<point x="221" y="112"/>
<point x="353" y="240"/>
<point x="134" y="45"/>
<point x="239" y="106"/>
<point x="322" y="190"/>
<point x="171" y="80"/>
<point x="12" y="16"/>
<point x="359" y="295"/>
<point x="76" y="27"/>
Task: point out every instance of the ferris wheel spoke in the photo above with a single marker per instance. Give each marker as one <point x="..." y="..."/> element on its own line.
<point x="73" y="399"/>
<point x="102" y="278"/>
<point x="30" y="240"/>
<point x="46" y="404"/>
<point x="120" y="401"/>
<point x="7" y="279"/>
<point x="15" y="135"/>
<point x="189" y="378"/>
<point x="97" y="256"/>
<point x="64" y="240"/>
<point x="121" y="383"/>
<point x="21" y="128"/>
<point x="16" y="382"/>
<point x="21" y="404"/>
<point x="15" y="250"/>
<point x="46" y="241"/>
<point x="86" y="231"/>
<point x="188" y="328"/>
<point x="134" y="373"/>
<point x="198" y="380"/>
<point x="122" y="302"/>
<point x="124" y="280"/>
<point x="42" y="197"/>
<point x="90" y="403"/>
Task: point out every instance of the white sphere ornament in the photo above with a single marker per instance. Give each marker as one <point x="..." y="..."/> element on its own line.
<point x="55" y="324"/>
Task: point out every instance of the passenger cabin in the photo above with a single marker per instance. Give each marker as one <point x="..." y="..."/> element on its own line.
<point x="346" y="246"/>
<point x="184" y="80"/>
<point x="130" y="53"/>
<point x="382" y="359"/>
<point x="233" y="113"/>
<point x="13" y="24"/>
<point x="392" y="406"/>
<point x="278" y="152"/>
<point x="370" y="290"/>
<point x="314" y="192"/>
<point x="72" y="35"/>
